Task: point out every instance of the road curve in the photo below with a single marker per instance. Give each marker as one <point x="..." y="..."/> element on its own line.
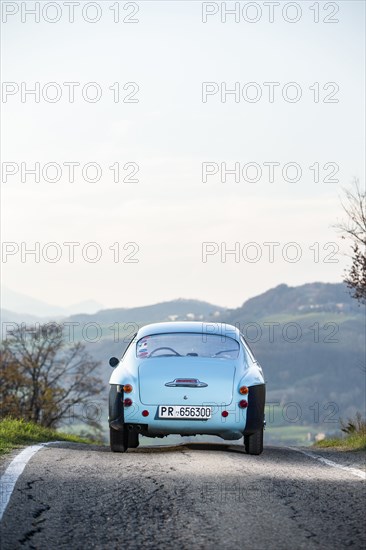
<point x="192" y="496"/>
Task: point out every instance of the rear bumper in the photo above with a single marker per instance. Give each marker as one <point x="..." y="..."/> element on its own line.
<point x="219" y="427"/>
<point x="239" y="422"/>
<point x="230" y="427"/>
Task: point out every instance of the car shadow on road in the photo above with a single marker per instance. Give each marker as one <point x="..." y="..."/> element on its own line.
<point x="148" y="449"/>
<point x="281" y="455"/>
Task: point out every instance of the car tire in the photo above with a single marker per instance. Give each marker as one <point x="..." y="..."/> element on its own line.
<point x="254" y="443"/>
<point x="118" y="440"/>
<point x="133" y="440"/>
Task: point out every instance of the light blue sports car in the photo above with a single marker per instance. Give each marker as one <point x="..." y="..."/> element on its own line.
<point x="187" y="378"/>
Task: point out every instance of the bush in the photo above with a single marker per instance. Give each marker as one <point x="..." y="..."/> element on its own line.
<point x="356" y="425"/>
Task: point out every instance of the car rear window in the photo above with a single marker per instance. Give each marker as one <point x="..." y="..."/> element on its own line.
<point x="185" y="344"/>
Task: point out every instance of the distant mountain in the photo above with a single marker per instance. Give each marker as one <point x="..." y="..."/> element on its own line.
<point x="12" y="317"/>
<point x="31" y="307"/>
<point x="87" y="306"/>
<point x="283" y="299"/>
<point x="174" y="310"/>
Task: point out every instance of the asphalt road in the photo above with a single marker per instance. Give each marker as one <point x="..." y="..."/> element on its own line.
<point x="187" y="497"/>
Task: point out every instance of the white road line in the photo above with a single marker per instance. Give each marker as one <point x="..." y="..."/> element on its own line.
<point x="354" y="471"/>
<point x="14" y="470"/>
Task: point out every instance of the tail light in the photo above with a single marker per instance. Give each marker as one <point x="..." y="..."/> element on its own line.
<point x="243" y="404"/>
<point x="127" y="402"/>
<point x="127" y="388"/>
<point x="224" y="414"/>
<point x="145" y="413"/>
<point x="244" y="390"/>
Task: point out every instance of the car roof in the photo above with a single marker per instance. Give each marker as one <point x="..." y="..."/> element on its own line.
<point x="220" y="329"/>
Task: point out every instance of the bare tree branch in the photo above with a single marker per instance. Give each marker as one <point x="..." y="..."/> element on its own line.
<point x="354" y="228"/>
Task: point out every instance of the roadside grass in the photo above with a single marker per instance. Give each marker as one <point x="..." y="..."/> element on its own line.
<point x="354" y="439"/>
<point x="18" y="433"/>
<point x="354" y="442"/>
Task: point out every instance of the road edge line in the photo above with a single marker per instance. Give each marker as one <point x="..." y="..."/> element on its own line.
<point x="355" y="471"/>
<point x="14" y="471"/>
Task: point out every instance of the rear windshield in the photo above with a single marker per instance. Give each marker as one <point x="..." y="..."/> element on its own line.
<point x="183" y="344"/>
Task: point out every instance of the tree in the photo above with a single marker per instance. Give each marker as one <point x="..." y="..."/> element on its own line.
<point x="43" y="380"/>
<point x="354" y="228"/>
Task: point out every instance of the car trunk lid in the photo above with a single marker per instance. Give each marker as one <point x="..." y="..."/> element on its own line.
<point x="186" y="381"/>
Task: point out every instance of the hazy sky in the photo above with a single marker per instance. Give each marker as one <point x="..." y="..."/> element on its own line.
<point x="167" y="134"/>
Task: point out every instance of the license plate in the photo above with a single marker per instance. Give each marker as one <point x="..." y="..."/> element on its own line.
<point x="174" y="412"/>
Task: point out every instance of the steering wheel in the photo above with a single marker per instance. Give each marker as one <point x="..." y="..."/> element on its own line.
<point x="225" y="351"/>
<point x="170" y="349"/>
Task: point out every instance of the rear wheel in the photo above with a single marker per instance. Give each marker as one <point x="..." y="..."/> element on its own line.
<point x="118" y="440"/>
<point x="254" y="443"/>
<point x="133" y="440"/>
